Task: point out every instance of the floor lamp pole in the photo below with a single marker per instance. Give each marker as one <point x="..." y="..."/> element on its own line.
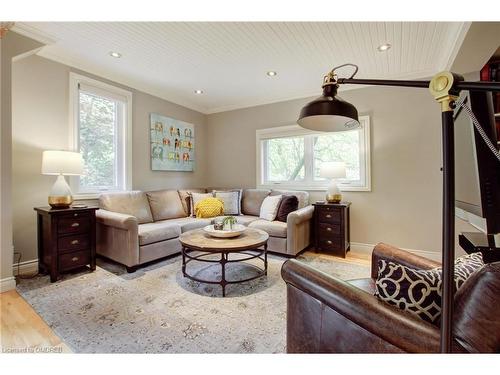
<point x="448" y="239"/>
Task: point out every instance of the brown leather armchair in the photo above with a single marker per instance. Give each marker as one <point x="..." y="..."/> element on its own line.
<point x="328" y="315"/>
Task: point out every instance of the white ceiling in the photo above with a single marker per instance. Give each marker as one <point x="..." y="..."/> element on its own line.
<point x="229" y="61"/>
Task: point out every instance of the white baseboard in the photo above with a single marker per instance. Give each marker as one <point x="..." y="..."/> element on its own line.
<point x="361" y="248"/>
<point x="9" y="283"/>
<point x="364" y="248"/>
<point x="26" y="267"/>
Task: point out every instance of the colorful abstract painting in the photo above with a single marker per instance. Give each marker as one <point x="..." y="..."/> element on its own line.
<point x="172" y="144"/>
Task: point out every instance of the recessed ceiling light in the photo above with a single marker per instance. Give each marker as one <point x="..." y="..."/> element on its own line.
<point x="271" y="73"/>
<point x="384" y="47"/>
<point x="116" y="55"/>
<point x="198" y="92"/>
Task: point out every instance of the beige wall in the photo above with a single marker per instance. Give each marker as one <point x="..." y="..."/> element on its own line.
<point x="12" y="46"/>
<point x="404" y="206"/>
<point x="40" y="122"/>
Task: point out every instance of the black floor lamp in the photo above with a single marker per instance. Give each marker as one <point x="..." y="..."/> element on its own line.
<point x="330" y="113"/>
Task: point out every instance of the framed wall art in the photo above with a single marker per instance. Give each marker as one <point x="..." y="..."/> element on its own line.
<point x="172" y="144"/>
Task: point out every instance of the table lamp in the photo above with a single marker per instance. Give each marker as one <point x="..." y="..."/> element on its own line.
<point x="333" y="170"/>
<point x="61" y="163"/>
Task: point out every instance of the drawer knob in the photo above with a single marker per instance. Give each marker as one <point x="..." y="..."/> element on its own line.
<point x="329" y="242"/>
<point x="329" y="229"/>
<point x="74" y="242"/>
<point x="74" y="225"/>
<point x="74" y="259"/>
<point x="75" y="215"/>
<point x="328" y="216"/>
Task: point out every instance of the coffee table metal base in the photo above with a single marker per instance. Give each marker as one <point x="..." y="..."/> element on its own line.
<point x="200" y="256"/>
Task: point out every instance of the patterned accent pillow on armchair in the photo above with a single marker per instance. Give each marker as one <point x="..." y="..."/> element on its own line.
<point x="415" y="291"/>
<point x="420" y="291"/>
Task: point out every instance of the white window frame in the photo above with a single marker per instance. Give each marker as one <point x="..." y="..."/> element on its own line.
<point x="126" y="144"/>
<point x="310" y="184"/>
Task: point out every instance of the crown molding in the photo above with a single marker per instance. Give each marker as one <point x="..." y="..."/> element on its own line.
<point x="33" y="33"/>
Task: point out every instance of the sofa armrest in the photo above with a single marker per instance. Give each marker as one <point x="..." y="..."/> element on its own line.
<point x="300" y="215"/>
<point x="116" y="220"/>
<point x="117" y="237"/>
<point x="298" y="230"/>
<point x="393" y="254"/>
<point x="396" y="327"/>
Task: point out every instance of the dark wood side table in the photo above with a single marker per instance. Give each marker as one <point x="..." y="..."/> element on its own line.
<point x="66" y="239"/>
<point x="331" y="228"/>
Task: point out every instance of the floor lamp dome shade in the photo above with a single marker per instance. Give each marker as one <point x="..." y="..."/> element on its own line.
<point x="329" y="113"/>
<point x="61" y="163"/>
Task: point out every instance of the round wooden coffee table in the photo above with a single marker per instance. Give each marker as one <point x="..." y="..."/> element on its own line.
<point x="197" y="245"/>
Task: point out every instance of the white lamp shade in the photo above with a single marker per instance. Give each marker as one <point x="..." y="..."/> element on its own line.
<point x="62" y="162"/>
<point x="332" y="169"/>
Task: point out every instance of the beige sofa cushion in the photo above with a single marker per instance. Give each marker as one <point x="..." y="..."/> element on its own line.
<point x="189" y="223"/>
<point x="241" y="219"/>
<point x="165" y="204"/>
<point x="159" y="231"/>
<point x="302" y="196"/>
<point x="273" y="228"/>
<point x="252" y="200"/>
<point x="133" y="203"/>
<point x="185" y="200"/>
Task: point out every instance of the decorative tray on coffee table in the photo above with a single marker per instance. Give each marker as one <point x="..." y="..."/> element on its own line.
<point x="236" y="230"/>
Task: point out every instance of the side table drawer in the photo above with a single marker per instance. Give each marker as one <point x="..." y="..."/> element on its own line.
<point x="72" y="243"/>
<point x="75" y="259"/>
<point x="329" y="216"/>
<point x="69" y="224"/>
<point x="330" y="244"/>
<point x="329" y="230"/>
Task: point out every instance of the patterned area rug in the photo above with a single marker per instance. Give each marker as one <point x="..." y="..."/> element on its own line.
<point x="157" y="310"/>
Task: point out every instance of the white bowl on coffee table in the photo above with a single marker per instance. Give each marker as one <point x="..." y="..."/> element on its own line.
<point x="234" y="232"/>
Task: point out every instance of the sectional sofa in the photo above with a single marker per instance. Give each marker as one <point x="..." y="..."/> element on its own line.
<point x="138" y="227"/>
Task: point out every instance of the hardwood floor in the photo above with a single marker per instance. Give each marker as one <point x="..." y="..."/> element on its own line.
<point x="351" y="257"/>
<point x="21" y="327"/>
<point x="23" y="330"/>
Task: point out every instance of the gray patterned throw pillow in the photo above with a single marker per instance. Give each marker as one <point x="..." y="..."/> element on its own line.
<point x="419" y="291"/>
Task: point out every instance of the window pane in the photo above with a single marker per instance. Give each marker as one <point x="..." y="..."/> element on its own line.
<point x="285" y="159"/>
<point x="97" y="135"/>
<point x="339" y="146"/>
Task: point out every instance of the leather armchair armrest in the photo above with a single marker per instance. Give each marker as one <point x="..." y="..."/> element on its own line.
<point x="394" y="326"/>
<point x="300" y="215"/>
<point x="116" y="220"/>
<point x="393" y="254"/>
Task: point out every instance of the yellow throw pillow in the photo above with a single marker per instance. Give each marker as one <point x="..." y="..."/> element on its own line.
<point x="209" y="207"/>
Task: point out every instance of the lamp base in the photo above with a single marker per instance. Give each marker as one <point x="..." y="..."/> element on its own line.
<point x="333" y="198"/>
<point x="60" y="195"/>
<point x="333" y="194"/>
<point x="58" y="202"/>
